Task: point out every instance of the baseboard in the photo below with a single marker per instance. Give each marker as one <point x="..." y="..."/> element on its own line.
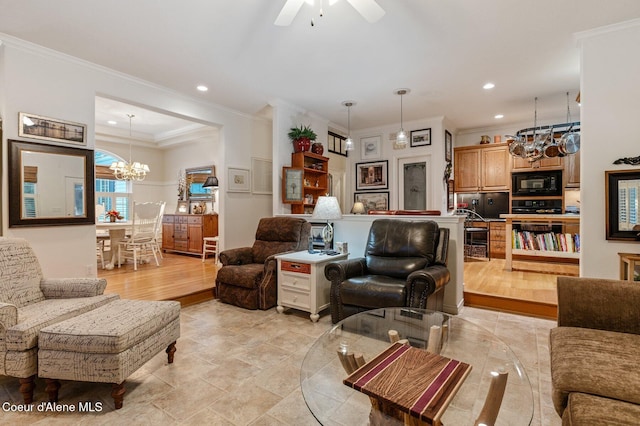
<point x="507" y="304"/>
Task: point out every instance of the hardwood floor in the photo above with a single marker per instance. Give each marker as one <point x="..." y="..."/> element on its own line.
<point x="179" y="277"/>
<point x="531" y="290"/>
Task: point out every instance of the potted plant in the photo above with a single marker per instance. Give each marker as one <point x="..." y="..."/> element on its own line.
<point x="113" y="215"/>
<point x="301" y="137"/>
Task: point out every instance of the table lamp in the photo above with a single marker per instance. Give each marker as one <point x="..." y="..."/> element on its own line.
<point x="327" y="208"/>
<point x="358" y="208"/>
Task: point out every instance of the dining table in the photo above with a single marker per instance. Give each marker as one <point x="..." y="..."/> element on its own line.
<point x="115" y="232"/>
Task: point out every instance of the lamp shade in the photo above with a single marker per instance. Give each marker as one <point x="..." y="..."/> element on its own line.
<point x="327" y="208"/>
<point x="358" y="208"/>
<point x="211" y="181"/>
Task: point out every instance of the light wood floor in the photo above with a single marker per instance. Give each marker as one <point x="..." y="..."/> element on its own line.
<point x="487" y="284"/>
<point x="179" y="277"/>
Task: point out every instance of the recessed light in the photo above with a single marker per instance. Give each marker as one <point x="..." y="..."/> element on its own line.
<point x="498" y="116"/>
<point x="488" y="86"/>
<point x="113" y="123"/>
<point x="202" y="88"/>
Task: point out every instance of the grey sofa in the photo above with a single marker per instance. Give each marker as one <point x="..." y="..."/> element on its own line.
<point x="595" y="352"/>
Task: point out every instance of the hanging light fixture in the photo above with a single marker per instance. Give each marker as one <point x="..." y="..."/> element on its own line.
<point x="401" y="137"/>
<point x="349" y="142"/>
<point x="129" y="171"/>
<point x="535" y="143"/>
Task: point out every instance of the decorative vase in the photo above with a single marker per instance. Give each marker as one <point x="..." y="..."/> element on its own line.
<point x="112" y="218"/>
<point x="317" y="148"/>
<point x="301" y="145"/>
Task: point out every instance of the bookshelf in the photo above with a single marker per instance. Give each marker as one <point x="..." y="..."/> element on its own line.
<point x="544" y="243"/>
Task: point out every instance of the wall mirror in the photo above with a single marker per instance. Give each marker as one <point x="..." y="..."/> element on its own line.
<point x="623" y="204"/>
<point x="50" y="185"/>
<point x="195" y="179"/>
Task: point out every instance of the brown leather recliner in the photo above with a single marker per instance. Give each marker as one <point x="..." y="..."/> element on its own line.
<point x="405" y="264"/>
<point x="248" y="277"/>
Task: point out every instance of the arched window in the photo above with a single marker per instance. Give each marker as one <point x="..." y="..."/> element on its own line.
<point x="113" y="194"/>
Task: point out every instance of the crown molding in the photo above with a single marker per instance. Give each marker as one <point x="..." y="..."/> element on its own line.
<point x="596" y="32"/>
<point x="46" y="52"/>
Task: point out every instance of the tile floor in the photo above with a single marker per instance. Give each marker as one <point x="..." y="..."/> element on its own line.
<point x="239" y="367"/>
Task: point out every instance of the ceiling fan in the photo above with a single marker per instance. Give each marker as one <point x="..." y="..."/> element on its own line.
<point x="369" y="9"/>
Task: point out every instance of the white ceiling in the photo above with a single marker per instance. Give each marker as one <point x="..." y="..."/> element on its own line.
<point x="443" y="50"/>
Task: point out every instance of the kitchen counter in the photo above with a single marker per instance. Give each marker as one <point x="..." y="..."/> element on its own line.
<point x="541" y="217"/>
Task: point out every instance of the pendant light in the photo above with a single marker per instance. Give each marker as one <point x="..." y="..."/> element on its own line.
<point x="129" y="171"/>
<point x="401" y="137"/>
<point x="349" y="142"/>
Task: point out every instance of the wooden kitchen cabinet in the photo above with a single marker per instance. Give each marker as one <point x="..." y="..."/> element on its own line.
<point x="497" y="231"/>
<point x="572" y="170"/>
<point x="482" y="168"/>
<point x="183" y="233"/>
<point x="523" y="165"/>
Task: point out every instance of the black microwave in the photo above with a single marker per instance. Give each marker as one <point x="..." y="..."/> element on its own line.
<point x="540" y="183"/>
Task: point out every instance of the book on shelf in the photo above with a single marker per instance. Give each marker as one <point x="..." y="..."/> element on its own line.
<point x="546" y="241"/>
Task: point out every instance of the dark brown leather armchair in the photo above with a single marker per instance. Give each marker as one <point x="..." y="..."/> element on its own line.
<point x="248" y="277"/>
<point x="405" y="264"/>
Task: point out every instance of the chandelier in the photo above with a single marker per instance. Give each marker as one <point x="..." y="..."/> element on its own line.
<point x="132" y="170"/>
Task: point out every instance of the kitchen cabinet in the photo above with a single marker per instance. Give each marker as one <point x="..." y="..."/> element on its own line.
<point x="572" y="170"/>
<point x="482" y="168"/>
<point x="497" y="239"/>
<point x="315" y="180"/>
<point x="523" y="165"/>
<point x="183" y="233"/>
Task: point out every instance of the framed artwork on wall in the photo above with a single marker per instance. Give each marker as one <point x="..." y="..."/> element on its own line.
<point x="261" y="176"/>
<point x="623" y="211"/>
<point x="292" y="185"/>
<point x="372" y="175"/>
<point x="238" y="180"/>
<point x="420" y="137"/>
<point x="371" y="147"/>
<point x="372" y="200"/>
<point x="316" y="235"/>
<point x="51" y="129"/>
<point x="448" y="146"/>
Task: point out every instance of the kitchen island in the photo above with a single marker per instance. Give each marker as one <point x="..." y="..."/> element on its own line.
<point x="541" y="235"/>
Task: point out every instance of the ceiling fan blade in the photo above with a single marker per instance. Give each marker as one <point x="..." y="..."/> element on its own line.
<point x="288" y="12"/>
<point x="369" y="9"/>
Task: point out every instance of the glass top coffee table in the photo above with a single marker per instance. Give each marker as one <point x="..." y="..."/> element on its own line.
<point x="367" y="335"/>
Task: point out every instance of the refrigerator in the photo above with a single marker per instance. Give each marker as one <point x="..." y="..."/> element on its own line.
<point x="489" y="205"/>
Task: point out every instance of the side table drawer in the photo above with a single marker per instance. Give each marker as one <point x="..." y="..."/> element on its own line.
<point x="302" y="268"/>
<point x="296" y="281"/>
<point x="296" y="299"/>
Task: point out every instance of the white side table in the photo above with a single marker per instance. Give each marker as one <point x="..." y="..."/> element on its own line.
<point x="301" y="282"/>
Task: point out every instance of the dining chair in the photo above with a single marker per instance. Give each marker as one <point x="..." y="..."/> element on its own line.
<point x="100" y="238"/>
<point x="142" y="243"/>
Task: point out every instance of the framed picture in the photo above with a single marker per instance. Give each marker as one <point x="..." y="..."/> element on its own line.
<point x="238" y="180"/>
<point x="182" y="207"/>
<point x="50" y="185"/>
<point x="448" y="146"/>
<point x="373" y="200"/>
<point x="51" y="129"/>
<point x="421" y="137"/>
<point x="292" y="185"/>
<point x="623" y="211"/>
<point x="261" y="176"/>
<point x="371" y="147"/>
<point x="372" y="175"/>
<point x="316" y="235"/>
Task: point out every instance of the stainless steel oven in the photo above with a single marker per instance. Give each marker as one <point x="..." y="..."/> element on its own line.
<point x="536" y="206"/>
<point x="536" y="184"/>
